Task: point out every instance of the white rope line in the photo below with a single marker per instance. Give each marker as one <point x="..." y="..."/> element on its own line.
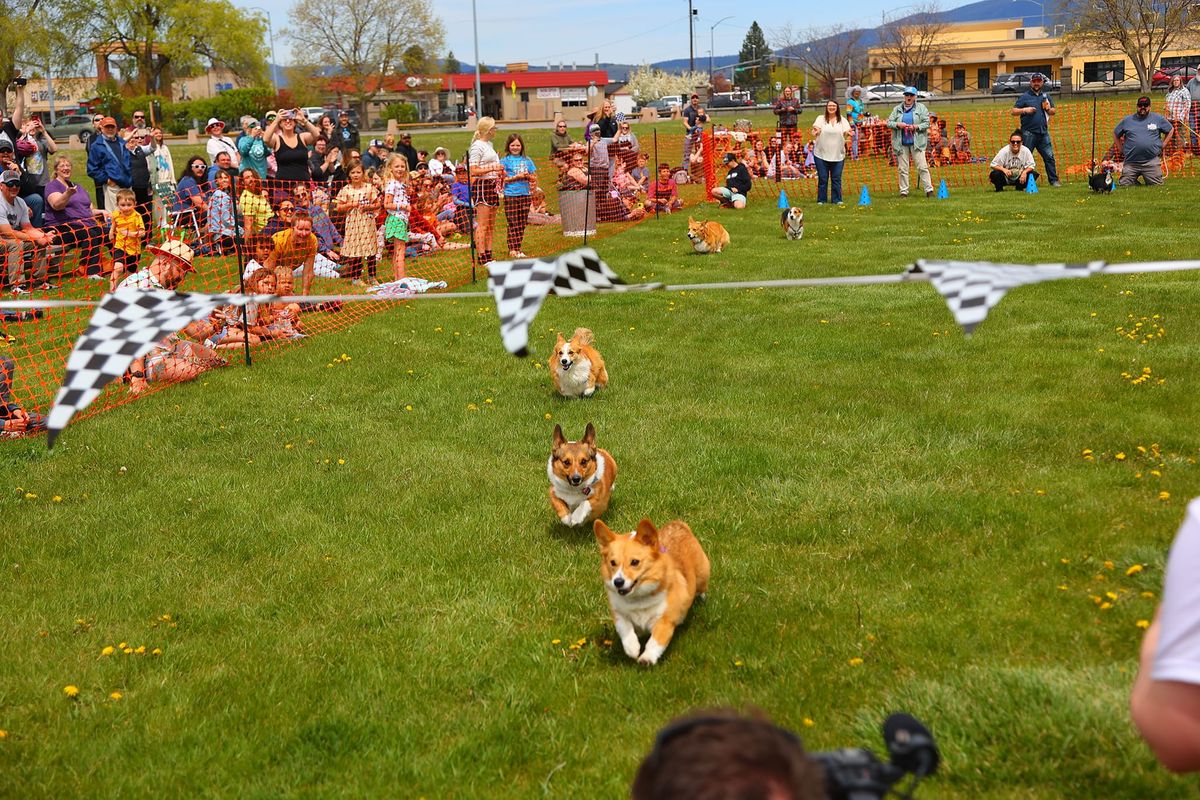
<point x="787" y="283"/>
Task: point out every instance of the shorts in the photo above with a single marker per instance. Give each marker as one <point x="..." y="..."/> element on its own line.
<point x="484" y="192"/>
<point x="128" y="259"/>
<point x="395" y="228"/>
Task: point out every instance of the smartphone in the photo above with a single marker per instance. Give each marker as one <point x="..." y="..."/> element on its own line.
<point x="69" y="184"/>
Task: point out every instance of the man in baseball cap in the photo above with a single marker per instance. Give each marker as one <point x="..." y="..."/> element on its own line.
<point x="1035" y="110"/>
<point x="20" y="240"/>
<point x="737" y="184"/>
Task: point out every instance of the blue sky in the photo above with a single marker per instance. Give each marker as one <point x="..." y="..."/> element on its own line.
<point x="622" y="31"/>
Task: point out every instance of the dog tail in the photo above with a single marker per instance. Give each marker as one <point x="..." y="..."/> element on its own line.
<point x="584" y="335"/>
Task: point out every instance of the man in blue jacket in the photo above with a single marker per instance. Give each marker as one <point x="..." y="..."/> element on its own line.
<point x="1035" y="110"/>
<point x="108" y="162"/>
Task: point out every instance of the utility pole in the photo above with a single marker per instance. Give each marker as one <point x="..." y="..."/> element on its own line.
<point x="691" y="37"/>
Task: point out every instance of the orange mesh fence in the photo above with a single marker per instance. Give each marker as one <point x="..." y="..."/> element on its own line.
<point x="251" y="234"/>
<point x="958" y="155"/>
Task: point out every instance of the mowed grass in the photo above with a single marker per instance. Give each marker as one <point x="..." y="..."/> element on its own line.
<point x="868" y="483"/>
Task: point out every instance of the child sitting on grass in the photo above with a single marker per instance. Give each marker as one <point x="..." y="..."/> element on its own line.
<point x="127" y="231"/>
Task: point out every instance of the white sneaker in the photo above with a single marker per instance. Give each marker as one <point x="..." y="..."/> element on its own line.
<point x="18" y="290"/>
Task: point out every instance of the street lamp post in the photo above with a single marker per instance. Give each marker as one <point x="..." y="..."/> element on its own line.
<point x="1042" y="6"/>
<point x="271" y="38"/>
<point x="712" y="28"/>
<point x="691" y="37"/>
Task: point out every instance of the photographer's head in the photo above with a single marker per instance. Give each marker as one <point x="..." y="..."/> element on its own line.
<point x="722" y="755"/>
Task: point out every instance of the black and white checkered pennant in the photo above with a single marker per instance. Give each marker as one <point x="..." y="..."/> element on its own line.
<point x="125" y="326"/>
<point x="520" y="287"/>
<point x="972" y="289"/>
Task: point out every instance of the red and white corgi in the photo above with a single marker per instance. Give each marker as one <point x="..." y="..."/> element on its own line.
<point x="577" y="367"/>
<point x="582" y="477"/>
<point x="651" y="577"/>
<point x="707" y="237"/>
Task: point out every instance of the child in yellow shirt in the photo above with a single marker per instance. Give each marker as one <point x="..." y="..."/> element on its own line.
<point x="127" y="231"/>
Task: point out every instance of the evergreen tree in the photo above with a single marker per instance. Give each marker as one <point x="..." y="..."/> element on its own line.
<point x="754" y="49"/>
<point x="452" y="67"/>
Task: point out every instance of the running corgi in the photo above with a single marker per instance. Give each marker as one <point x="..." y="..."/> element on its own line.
<point x="651" y="577"/>
<point x="582" y="477"/>
<point x="707" y="237"/>
<point x="577" y="367"/>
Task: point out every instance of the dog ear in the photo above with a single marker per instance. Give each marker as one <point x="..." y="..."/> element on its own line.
<point x="690" y="220"/>
<point x="647" y="534"/>
<point x="604" y="534"/>
<point x="559" y="439"/>
<point x="560" y="341"/>
<point x="589" y="435"/>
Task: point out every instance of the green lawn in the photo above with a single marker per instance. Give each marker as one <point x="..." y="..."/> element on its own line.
<point x="369" y="596"/>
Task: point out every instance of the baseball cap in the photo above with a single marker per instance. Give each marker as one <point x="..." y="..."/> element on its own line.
<point x="461" y="168"/>
<point x="104" y="123"/>
<point x="175" y="249"/>
<point x="910" y="90"/>
<point x="377" y="143"/>
<point x="1037" y="76"/>
<point x="730" y="157"/>
<point x="212" y="122"/>
<point x="695" y="97"/>
<point x="344" y="113"/>
<point x="6" y="143"/>
<point x="1143" y="101"/>
<point x="10" y="175"/>
<point x="959" y="125"/>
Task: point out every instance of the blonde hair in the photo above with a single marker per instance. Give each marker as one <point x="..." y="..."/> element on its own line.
<point x="126" y="194"/>
<point x="392" y="159"/>
<point x="485" y="126"/>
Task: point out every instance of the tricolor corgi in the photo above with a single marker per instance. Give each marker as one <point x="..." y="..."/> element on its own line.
<point x="707" y="237"/>
<point x="792" y="221"/>
<point x="576" y="367"/>
<point x="651" y="577"/>
<point x="582" y="477"/>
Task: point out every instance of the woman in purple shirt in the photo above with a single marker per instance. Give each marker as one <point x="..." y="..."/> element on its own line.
<point x="69" y="211"/>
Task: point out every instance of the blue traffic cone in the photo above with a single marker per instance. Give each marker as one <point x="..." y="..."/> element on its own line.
<point x="943" y="191"/>
<point x="1031" y="185"/>
<point x="783" y="201"/>
<point x="864" y="199"/>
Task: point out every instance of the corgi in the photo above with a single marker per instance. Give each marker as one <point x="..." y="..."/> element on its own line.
<point x="651" y="577"/>
<point x="792" y="221"/>
<point x="576" y="367"/>
<point x="707" y="237"/>
<point x="582" y="477"/>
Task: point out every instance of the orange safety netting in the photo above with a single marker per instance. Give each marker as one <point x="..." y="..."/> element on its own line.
<point x="959" y="156"/>
<point x="238" y="226"/>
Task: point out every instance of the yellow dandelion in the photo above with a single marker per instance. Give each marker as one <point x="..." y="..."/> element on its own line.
<point x="30" y="496"/>
<point x="1111" y="595"/>
<point x="1105" y="606"/>
<point x="1164" y="496"/>
<point x="127" y="650"/>
<point x="739" y="663"/>
<point x="582" y="641"/>
<point x="573" y="647"/>
<point x="141" y="649"/>
<point x="1062" y="587"/>
<point x="71" y="691"/>
<point x="56" y="499"/>
<point x="288" y="446"/>
<point x="108" y="651"/>
<point x="1108" y="565"/>
<point x="114" y="696"/>
<point x="408" y="408"/>
<point x="1143" y="623"/>
<point x="1148" y="595"/>
<point x="1087" y="451"/>
<point x="1064" y="561"/>
<point x="548" y="415"/>
<point x="556" y="641"/>
<point x="341" y="461"/>
<point x="854" y="662"/>
<point x="3" y="734"/>
<point x="472" y="407"/>
<point x="1119" y="456"/>
<point x="156" y="651"/>
<point x="808" y="723"/>
<point x="122" y="645"/>
<point x="1134" y="570"/>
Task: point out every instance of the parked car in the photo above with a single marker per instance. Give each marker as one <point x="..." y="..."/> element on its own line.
<point x="1018" y="82"/>
<point x="661" y="106"/>
<point x="78" y="124"/>
<point x="314" y="113"/>
<point x="730" y="100"/>
<point x="1163" y="75"/>
<point x="891" y="91"/>
<point x="448" y="115"/>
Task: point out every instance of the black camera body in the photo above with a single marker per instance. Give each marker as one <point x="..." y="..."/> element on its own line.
<point x="19" y="81"/>
<point x="855" y="773"/>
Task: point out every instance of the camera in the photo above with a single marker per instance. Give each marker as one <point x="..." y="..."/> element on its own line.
<point x="858" y="774"/>
<point x="19" y="81"/>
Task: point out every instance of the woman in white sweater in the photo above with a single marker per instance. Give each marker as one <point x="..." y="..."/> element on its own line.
<point x="829" y="152"/>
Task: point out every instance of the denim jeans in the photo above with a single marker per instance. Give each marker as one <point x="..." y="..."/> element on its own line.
<point x="1040" y="141"/>
<point x="829" y="172"/>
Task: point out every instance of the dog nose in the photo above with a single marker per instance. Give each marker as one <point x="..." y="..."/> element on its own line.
<point x="618" y="582"/>
<point x="575" y="479"/>
<point x="565" y="362"/>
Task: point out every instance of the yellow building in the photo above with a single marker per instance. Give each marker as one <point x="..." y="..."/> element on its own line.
<point x="973" y="54"/>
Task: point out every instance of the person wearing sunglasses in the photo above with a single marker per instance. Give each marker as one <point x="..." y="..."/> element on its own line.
<point x="1140" y="138"/>
<point x="1013" y="165"/>
<point x="19" y="239"/>
<point x="137" y="121"/>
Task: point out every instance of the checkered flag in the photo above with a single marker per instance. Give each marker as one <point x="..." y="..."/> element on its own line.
<point x="125" y="326"/>
<point x="972" y="289"/>
<point x="521" y="286"/>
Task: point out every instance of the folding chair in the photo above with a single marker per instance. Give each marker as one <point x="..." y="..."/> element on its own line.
<point x="172" y="220"/>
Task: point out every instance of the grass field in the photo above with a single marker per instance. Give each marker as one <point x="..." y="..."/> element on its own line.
<point x="358" y="588"/>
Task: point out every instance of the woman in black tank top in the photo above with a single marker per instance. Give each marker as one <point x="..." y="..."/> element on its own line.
<point x="290" y="144"/>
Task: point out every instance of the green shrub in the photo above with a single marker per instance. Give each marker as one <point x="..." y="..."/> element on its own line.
<point x="401" y="112"/>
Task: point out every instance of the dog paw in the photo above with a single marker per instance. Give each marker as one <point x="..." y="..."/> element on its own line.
<point x="566" y="519"/>
<point x="589" y="392"/>
<point x="648" y="660"/>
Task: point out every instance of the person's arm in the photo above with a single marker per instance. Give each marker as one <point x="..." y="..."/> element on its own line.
<point x="1049" y="107"/>
<point x="18" y="115"/>
<point x="51" y="145"/>
<point x="269" y="133"/>
<point x="312" y="130"/>
<point x="58" y="200"/>
<point x="308" y="273"/>
<point x="1019" y="110"/>
<point x="1167" y="713"/>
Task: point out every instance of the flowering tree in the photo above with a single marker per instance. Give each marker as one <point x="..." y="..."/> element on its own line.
<point x="647" y="83"/>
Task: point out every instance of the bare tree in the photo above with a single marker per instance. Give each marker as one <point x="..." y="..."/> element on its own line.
<point x="826" y="53"/>
<point x="1141" y="30"/>
<point x="366" y="40"/>
<point x="915" y="42"/>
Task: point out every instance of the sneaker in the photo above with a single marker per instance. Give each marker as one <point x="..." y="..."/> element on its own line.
<point x="95" y="277"/>
<point x="904" y="194"/>
<point x="46" y="285"/>
<point x="1056" y="184"/>
<point x="929" y="192"/>
<point x="19" y="290"/>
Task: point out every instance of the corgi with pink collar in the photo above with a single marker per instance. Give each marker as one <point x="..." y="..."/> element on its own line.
<point x="582" y="477"/>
